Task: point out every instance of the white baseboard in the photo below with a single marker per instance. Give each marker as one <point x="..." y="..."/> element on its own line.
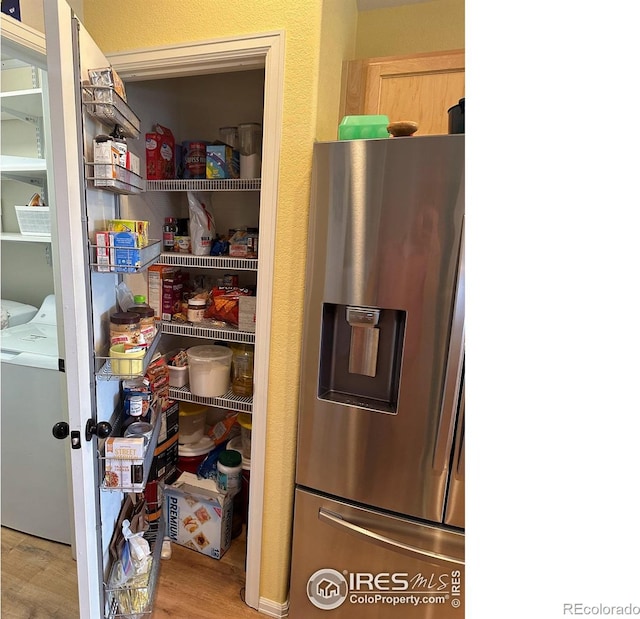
<point x="273" y="609"/>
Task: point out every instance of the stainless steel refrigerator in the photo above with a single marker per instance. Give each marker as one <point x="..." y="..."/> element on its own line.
<point x="379" y="502"/>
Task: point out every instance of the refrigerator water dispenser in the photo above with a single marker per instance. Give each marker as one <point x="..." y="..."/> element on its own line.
<point x="361" y="355"/>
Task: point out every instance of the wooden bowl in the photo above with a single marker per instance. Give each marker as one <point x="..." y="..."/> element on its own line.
<point x="402" y="128"/>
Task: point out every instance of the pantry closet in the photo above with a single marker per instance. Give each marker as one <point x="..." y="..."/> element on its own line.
<point x="194" y="90"/>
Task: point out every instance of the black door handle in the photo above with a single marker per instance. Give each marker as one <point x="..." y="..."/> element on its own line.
<point x="61" y="429"/>
<point x="102" y="429"/>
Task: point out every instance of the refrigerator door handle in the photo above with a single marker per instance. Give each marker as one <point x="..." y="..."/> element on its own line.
<point x="453" y="374"/>
<point x="337" y="521"/>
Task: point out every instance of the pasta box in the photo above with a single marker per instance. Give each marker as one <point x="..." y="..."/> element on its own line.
<point x="198" y="516"/>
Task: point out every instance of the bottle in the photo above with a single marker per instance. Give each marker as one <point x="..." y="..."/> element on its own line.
<point x="242" y="370"/>
<point x="169" y="231"/>
<point x="229" y="479"/>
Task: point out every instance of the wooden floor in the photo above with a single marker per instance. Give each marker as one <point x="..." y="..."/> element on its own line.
<point x="39" y="582"/>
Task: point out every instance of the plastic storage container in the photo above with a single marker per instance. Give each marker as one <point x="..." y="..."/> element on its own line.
<point x="363" y="127"/>
<point x="192" y="422"/>
<point x="244" y="419"/>
<point x="209" y="370"/>
<point x="192" y="455"/>
<point x="129" y="363"/>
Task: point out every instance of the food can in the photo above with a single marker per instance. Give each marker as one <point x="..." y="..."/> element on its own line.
<point x="194" y="159"/>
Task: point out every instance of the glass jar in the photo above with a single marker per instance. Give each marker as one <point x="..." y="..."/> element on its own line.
<point x="242" y="370"/>
<point x="195" y="310"/>
<point x="124" y="328"/>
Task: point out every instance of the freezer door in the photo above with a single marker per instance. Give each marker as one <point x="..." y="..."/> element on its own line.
<point x="354" y="563"/>
<point x="384" y="322"/>
<point x="454" y="514"/>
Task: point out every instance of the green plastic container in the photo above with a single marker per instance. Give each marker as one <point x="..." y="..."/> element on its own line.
<point x="363" y="127"/>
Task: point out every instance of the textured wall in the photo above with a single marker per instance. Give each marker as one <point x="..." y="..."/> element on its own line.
<point x="426" y="27"/>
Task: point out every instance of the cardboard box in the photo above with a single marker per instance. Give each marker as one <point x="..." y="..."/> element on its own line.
<point x="172" y="287"/>
<point x="105" y="153"/>
<point x="139" y="227"/>
<point x="126" y="255"/>
<point x="102" y="252"/>
<point x="247" y="314"/>
<point x="124" y="463"/>
<point x="165" y="458"/>
<point x="198" y="516"/>
<point x="222" y="161"/>
<point x="156" y="273"/>
<point x="160" y="154"/>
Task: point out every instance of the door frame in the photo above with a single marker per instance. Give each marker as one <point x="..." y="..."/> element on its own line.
<point x="245" y="52"/>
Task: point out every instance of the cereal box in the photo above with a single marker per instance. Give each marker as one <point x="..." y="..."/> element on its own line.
<point x="198" y="516"/>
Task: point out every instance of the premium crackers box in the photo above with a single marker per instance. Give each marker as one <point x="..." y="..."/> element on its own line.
<point x="198" y="516"/>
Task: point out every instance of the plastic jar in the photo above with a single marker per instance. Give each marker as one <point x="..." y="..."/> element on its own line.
<point x="229" y="478"/>
<point x="191" y="421"/>
<point x="195" y="309"/>
<point x="147" y="322"/>
<point x="209" y="370"/>
<point x="124" y="328"/>
<point x="242" y="370"/>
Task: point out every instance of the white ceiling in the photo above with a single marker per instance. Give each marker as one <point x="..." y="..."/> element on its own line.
<point x="368" y="5"/>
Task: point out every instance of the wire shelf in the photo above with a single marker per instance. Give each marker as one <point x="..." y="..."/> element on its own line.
<point x="208" y="262"/>
<point x="226" y="334"/>
<point x="195" y="184"/>
<point x="229" y="400"/>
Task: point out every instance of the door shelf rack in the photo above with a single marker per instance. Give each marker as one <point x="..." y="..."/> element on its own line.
<point x="115" y="178"/>
<point x="138" y="600"/>
<point x="106" y="105"/>
<point x="142" y="465"/>
<point x="132" y="260"/>
<point x="104" y="370"/>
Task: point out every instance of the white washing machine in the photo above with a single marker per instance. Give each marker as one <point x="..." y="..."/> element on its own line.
<point x="35" y="488"/>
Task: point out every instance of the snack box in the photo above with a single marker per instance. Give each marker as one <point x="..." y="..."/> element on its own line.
<point x="124" y="463"/>
<point x="222" y="161"/>
<point x="156" y="274"/>
<point x="105" y="152"/>
<point x="198" y="516"/>
<point x="126" y="253"/>
<point x="139" y="227"/>
<point x="103" y="259"/>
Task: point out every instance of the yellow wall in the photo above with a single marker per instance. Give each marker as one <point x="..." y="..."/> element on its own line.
<point x="432" y="26"/>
